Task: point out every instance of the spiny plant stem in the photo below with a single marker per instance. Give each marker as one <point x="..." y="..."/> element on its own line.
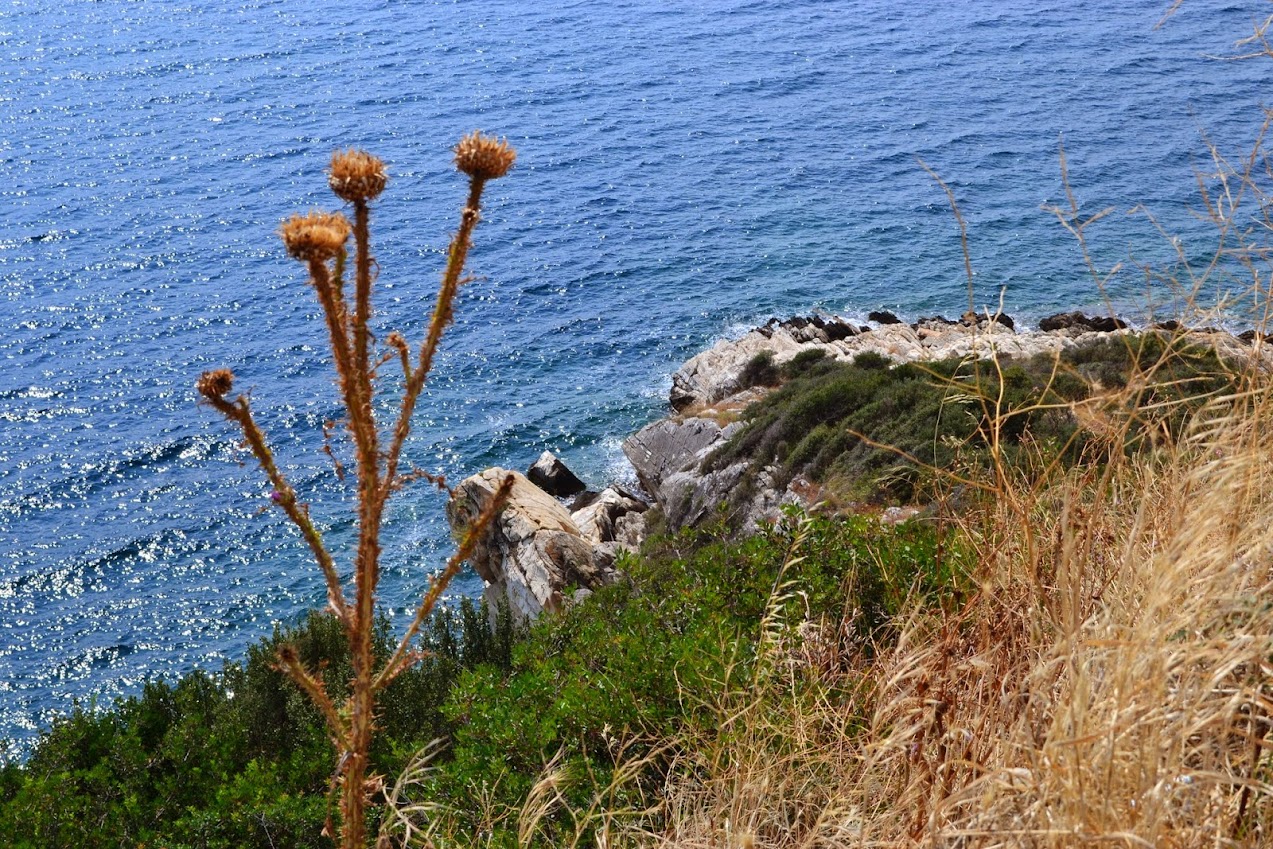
<point x="402" y="658"/>
<point x="317" y="240"/>
<point x="442" y="315"/>
<point x="240" y="411"/>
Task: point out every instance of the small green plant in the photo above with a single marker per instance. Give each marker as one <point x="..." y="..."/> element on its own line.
<point x="319" y="241"/>
<point x="759" y="371"/>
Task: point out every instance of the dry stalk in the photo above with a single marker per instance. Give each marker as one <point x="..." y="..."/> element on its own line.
<point x="319" y="241"/>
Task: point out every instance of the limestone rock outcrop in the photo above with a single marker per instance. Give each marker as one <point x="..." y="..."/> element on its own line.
<point x="714" y="375"/>
<point x="671" y="461"/>
<point x="537" y="554"/>
<point x="533" y="554"/>
<point x="669" y="455"/>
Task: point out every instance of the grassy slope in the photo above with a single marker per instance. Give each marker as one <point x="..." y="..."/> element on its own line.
<point x="872" y="431"/>
<point x="1080" y="655"/>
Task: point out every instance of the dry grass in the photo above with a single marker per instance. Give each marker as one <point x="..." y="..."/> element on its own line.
<point x="1109" y="684"/>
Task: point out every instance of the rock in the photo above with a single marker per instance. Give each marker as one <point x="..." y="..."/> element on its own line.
<point x="1107" y="324"/>
<point x="1062" y="321"/>
<point x="716" y="373"/>
<point x="836" y="328"/>
<point x="660" y="449"/>
<point x="1078" y="321"/>
<point x="582" y="500"/>
<point x="598" y="520"/>
<point x="630" y="530"/>
<point x="532" y="553"/>
<point x="883" y="317"/>
<point x="983" y="320"/>
<point x="897" y="515"/>
<point x="551" y="475"/>
<point x="815" y="328"/>
<point x="691" y="496"/>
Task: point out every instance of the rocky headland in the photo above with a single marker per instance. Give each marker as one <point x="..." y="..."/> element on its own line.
<point x="557" y="541"/>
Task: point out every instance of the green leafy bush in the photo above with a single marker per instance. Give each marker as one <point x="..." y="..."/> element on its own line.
<point x="872" y="430"/>
<point x="643" y="660"/>
<point x="236" y="759"/>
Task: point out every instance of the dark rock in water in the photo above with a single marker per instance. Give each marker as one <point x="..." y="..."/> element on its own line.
<point x="806" y="329"/>
<point x="1078" y="321"/>
<point x="1171" y="325"/>
<point x="551" y="475"/>
<point x="1107" y="323"/>
<point x="834" y="329"/>
<point x="1063" y="321"/>
<point x="583" y="499"/>
<point x="980" y="320"/>
<point x="1250" y="336"/>
<point x="883" y="317"/>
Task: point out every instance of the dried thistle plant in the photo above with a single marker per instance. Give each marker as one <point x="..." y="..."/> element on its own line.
<point x="319" y="240"/>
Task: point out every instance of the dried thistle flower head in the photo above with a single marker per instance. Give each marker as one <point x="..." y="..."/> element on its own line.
<point x="316" y="236"/>
<point x="356" y="175"/>
<point x="215" y="385"/>
<point x="484" y="157"/>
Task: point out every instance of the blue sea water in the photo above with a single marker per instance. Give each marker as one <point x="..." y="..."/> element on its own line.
<point x="685" y="169"/>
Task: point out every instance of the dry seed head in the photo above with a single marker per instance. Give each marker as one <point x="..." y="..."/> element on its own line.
<point x="316" y="236"/>
<point x="215" y="385"/>
<point x="484" y="157"/>
<point x="356" y="175"/>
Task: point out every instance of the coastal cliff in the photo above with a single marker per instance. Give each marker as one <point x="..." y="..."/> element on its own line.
<point x="810" y="412"/>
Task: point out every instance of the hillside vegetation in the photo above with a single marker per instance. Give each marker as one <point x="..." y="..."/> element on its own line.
<point x="872" y="430"/>
<point x="1080" y="653"/>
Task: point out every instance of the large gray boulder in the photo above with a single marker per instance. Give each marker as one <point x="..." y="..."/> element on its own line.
<point x="664" y="447"/>
<point x="670" y="459"/>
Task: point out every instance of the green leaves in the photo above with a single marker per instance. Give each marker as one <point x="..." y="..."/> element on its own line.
<point x="236" y="759"/>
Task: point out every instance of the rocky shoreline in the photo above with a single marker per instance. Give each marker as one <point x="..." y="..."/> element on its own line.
<point x="544" y="552"/>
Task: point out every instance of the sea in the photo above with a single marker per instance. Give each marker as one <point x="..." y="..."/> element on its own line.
<point x="686" y="169"/>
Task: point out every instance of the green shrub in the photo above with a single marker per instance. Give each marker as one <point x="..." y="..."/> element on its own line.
<point x="877" y="431"/>
<point x="759" y="371"/>
<point x="804" y="362"/>
<point x="236" y="759"/>
<point x="643" y="660"/>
